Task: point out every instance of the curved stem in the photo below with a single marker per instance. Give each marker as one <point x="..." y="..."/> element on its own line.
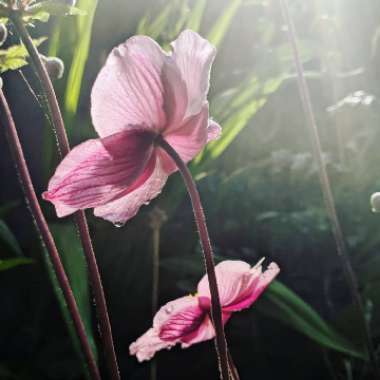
<point x="326" y="187"/>
<point x="216" y="309"/>
<point x="80" y="218"/>
<point x="47" y="238"/>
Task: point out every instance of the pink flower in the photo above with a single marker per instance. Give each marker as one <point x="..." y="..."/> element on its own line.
<point x="140" y="93"/>
<point x="187" y="320"/>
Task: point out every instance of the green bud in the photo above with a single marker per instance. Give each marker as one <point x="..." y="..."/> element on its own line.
<point x="375" y="202"/>
<point x="3" y="33"/>
<point x="54" y="66"/>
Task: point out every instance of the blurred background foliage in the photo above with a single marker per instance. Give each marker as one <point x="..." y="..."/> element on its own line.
<point x="258" y="182"/>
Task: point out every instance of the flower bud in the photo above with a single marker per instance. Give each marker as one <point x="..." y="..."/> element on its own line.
<point x="54" y="66"/>
<point x="3" y="33"/>
<point x="375" y="202"/>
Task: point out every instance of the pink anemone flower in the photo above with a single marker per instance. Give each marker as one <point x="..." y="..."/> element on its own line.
<point x="187" y="321"/>
<point x="141" y="93"/>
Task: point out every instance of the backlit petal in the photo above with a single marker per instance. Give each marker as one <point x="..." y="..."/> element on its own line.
<point x="178" y="318"/>
<point x="188" y="140"/>
<point x="98" y="171"/>
<point x="128" y="90"/>
<point x="146" y="187"/>
<point x="239" y="285"/>
<point x="213" y="130"/>
<point x="148" y="344"/>
<point x="174" y="322"/>
<point x="248" y="298"/>
<point x="194" y="56"/>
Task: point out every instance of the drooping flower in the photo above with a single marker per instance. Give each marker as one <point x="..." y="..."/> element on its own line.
<point x="142" y="92"/>
<point x="187" y="321"/>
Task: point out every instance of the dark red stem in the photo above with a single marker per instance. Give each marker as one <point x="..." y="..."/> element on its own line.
<point x="80" y="218"/>
<point x="47" y="238"/>
<point x="216" y="309"/>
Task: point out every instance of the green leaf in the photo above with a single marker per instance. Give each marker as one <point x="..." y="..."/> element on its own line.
<point x="284" y="305"/>
<point x="157" y="26"/>
<point x="195" y="15"/>
<point x="15" y="56"/>
<point x="7" y="237"/>
<point x="74" y="82"/>
<point x="54" y="8"/>
<point x="12" y="263"/>
<point x="74" y="261"/>
<point x="223" y="23"/>
<point x="243" y="104"/>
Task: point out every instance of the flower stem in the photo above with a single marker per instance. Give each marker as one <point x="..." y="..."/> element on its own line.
<point x="216" y="309"/>
<point x="47" y="238"/>
<point x="80" y="218"/>
<point x="233" y="369"/>
<point x="326" y="187"/>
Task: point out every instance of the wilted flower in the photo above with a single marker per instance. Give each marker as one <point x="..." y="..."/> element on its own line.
<point x="187" y="320"/>
<point x="141" y="93"/>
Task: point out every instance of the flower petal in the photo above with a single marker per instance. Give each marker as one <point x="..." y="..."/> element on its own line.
<point x="239" y="285"/>
<point x="128" y="90"/>
<point x="98" y="171"/>
<point x="178" y="318"/>
<point x="188" y="140"/>
<point x="193" y="56"/>
<point x="148" y="344"/>
<point x="247" y="299"/>
<point x="204" y="332"/>
<point x="213" y="130"/>
<point x="172" y="323"/>
<point x="146" y="187"/>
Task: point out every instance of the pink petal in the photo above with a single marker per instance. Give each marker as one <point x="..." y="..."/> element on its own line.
<point x="146" y="187"/>
<point x="178" y="318"/>
<point x="265" y="279"/>
<point x="98" y="171"/>
<point x="148" y="344"/>
<point x="188" y="140"/>
<point x="128" y="90"/>
<point x="204" y="332"/>
<point x="213" y="130"/>
<point x="176" y="101"/>
<point x="172" y="323"/>
<point x="238" y="284"/>
<point x="193" y="56"/>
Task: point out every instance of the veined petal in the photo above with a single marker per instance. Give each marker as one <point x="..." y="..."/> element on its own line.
<point x="172" y="324"/>
<point x="144" y="189"/>
<point x="204" y="332"/>
<point x="239" y="285"/>
<point x="99" y="170"/>
<point x="128" y="90"/>
<point x="178" y="318"/>
<point x="194" y="56"/>
<point x="249" y="297"/>
<point x="148" y="344"/>
<point x="188" y="140"/>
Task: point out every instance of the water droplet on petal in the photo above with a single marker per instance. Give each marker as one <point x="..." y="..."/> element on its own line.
<point x="119" y="224"/>
<point x="168" y="309"/>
